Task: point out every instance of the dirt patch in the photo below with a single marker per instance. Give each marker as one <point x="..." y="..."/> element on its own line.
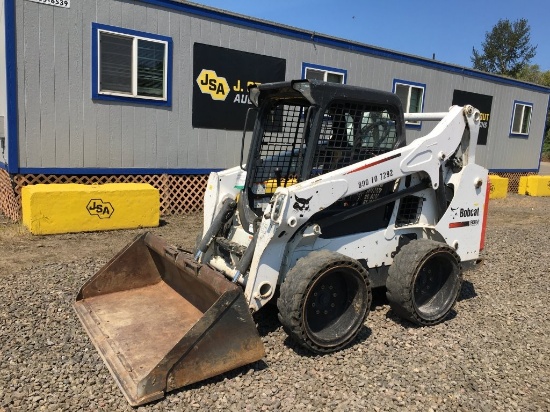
<point x="20" y="250"/>
<point x="492" y="353"/>
<point x="518" y="210"/>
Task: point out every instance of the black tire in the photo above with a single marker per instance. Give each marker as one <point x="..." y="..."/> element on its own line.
<point x="424" y="281"/>
<point x="324" y="301"/>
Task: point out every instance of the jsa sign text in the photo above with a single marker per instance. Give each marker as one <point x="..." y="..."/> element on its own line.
<point x="222" y="79"/>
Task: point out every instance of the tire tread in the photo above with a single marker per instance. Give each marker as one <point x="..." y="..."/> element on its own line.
<point x="295" y="286"/>
<point x="399" y="284"/>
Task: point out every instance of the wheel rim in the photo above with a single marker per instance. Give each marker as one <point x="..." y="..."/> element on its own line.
<point x="436" y="286"/>
<point x="335" y="306"/>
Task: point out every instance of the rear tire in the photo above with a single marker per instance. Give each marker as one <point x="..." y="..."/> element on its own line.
<point x="324" y="301"/>
<point x="424" y="281"/>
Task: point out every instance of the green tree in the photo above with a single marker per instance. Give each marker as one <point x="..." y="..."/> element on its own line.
<point x="533" y="74"/>
<point x="507" y="49"/>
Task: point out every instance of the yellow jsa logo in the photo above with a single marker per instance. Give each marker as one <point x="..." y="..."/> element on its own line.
<point x="210" y="83"/>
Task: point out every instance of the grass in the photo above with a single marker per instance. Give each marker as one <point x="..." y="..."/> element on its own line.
<point x="10" y="229"/>
<point x="546" y="149"/>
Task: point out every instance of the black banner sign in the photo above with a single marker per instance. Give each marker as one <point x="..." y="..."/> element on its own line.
<point x="221" y="79"/>
<point x="481" y="102"/>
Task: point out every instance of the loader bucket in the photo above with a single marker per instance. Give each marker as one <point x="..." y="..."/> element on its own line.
<point x="160" y="321"/>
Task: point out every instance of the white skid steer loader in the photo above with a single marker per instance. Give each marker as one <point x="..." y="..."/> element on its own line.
<point x="330" y="204"/>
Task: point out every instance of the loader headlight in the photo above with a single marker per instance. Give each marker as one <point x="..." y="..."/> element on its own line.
<point x="254" y="95"/>
<point x="277" y="207"/>
<point x="302" y="86"/>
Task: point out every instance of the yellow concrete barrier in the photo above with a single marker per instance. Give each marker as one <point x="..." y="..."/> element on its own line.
<point x="522" y="187"/>
<point x="534" y="185"/>
<point x="64" y="208"/>
<point x="499" y="187"/>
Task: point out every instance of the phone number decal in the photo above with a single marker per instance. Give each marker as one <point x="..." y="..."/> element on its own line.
<point x="58" y="3"/>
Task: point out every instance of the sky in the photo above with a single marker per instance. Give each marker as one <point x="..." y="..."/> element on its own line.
<point x="448" y="29"/>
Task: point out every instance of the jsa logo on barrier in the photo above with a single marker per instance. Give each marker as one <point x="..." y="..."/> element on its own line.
<point x="210" y="83"/>
<point x="99" y="208"/>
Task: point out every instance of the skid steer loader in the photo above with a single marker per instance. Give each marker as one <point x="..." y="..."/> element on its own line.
<point x="331" y="203"/>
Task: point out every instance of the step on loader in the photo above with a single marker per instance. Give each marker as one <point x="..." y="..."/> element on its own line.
<point x="330" y="203"/>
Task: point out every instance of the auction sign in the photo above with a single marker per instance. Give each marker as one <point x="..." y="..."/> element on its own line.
<point x="221" y="81"/>
<point x="482" y="103"/>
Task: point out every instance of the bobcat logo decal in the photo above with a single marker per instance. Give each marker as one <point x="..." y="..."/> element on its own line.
<point x="301" y="204"/>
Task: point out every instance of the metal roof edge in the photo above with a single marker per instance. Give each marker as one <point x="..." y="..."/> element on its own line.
<point x="319" y="38"/>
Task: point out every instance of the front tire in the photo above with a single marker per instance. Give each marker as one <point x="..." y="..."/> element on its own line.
<point x="324" y="301"/>
<point x="424" y="281"/>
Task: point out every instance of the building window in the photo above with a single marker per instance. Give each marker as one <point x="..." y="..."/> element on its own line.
<point x="327" y="74"/>
<point x="521" y="119"/>
<point x="131" y="66"/>
<point x="412" y="98"/>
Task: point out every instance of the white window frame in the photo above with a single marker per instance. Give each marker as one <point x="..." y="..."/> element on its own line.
<point x="406" y="108"/>
<point x="326" y="71"/>
<point x="521" y="122"/>
<point x="133" y="96"/>
<point x="134" y="92"/>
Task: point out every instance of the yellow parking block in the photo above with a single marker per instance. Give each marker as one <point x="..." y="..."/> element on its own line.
<point x="498" y="188"/>
<point x="64" y="208"/>
<point x="534" y="185"/>
<point x="522" y="187"/>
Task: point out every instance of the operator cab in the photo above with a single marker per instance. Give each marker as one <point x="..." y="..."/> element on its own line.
<point x="308" y="128"/>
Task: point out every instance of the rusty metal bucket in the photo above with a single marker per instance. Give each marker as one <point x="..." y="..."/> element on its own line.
<point x="160" y="321"/>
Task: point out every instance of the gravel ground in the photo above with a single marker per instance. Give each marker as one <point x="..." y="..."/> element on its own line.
<point x="493" y="353"/>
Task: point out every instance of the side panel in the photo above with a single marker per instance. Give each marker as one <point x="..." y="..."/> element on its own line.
<point x="501" y="151"/>
<point x="61" y="126"/>
<point x="75" y="78"/>
<point x="3" y="87"/>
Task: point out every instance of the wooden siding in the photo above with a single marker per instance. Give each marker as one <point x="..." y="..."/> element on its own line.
<point x="60" y="126"/>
